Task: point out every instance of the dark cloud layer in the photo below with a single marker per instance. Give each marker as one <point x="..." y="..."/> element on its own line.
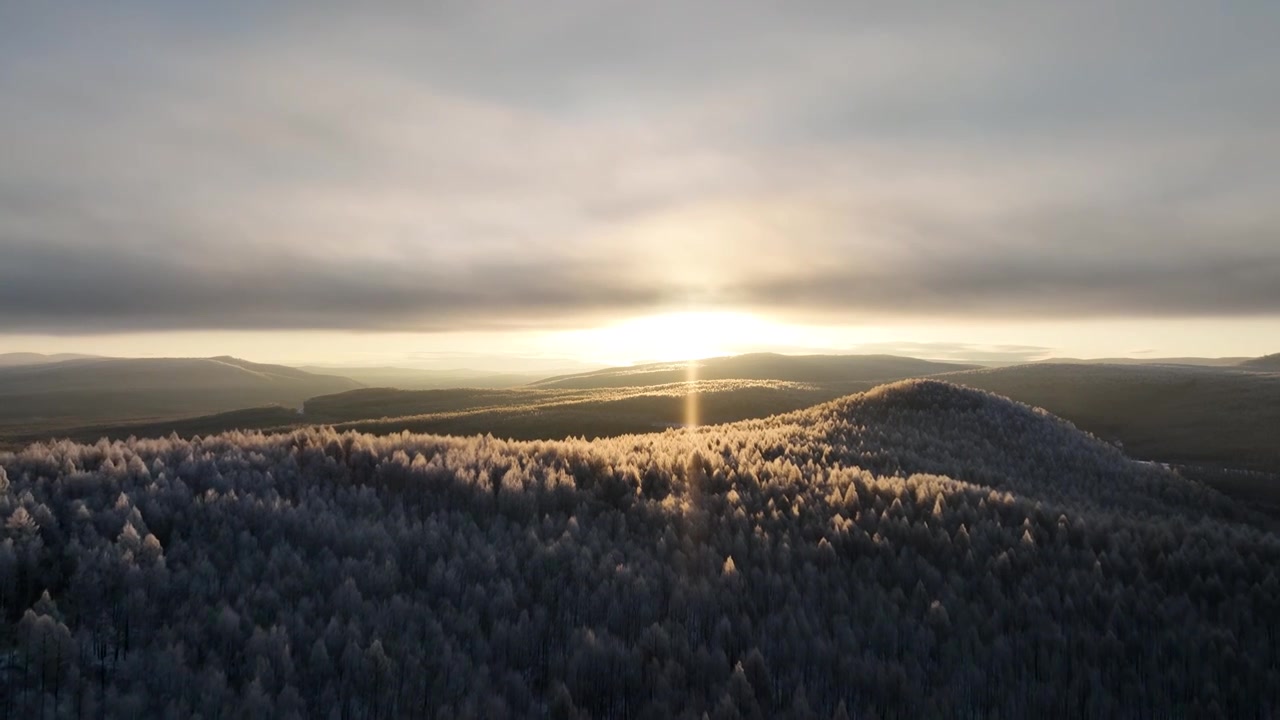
<point x="96" y="292"/>
<point x="470" y="166"/>
<point x="1031" y="287"/>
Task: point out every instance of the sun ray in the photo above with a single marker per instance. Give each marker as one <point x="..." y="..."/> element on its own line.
<point x="691" y="409"/>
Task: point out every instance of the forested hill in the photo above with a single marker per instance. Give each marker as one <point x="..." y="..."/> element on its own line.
<point x="921" y="550"/>
<point x="759" y="366"/>
<point x="1223" y="417"/>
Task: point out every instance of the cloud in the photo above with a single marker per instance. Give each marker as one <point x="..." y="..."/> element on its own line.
<point x="472" y="166"/>
<point x="98" y="291"/>
<point x="1048" y="282"/>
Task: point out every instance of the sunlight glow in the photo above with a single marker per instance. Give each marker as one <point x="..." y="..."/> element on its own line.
<point x="678" y="336"/>
<point x="687" y="335"/>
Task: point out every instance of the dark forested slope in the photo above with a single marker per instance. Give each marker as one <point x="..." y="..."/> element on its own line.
<point x="1223" y="417"/>
<point x="1268" y="363"/>
<point x="921" y="550"/>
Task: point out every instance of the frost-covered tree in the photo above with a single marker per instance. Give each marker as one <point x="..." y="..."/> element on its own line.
<point x="920" y="550"/>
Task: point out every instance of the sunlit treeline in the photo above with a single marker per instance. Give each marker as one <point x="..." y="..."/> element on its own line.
<point x="918" y="551"/>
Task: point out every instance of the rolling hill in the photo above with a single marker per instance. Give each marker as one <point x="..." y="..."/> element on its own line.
<point x="1220" y="419"/>
<point x="1217" y="422"/>
<point x="920" y="550"/>
<point x="52" y="396"/>
<point x="759" y="366"/>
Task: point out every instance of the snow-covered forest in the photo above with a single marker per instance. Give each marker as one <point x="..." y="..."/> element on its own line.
<point x="921" y="550"/>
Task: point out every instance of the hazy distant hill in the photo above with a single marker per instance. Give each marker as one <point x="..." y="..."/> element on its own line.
<point x="760" y="366"/>
<point x="84" y="391"/>
<point x="1222" y="416"/>
<point x="27" y="358"/>
<point x="425" y="379"/>
<point x="1266" y="362"/>
<point x="1196" y="361"/>
<point x="921" y="550"/>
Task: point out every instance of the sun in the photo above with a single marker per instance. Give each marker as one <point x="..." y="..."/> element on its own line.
<point x="682" y="336"/>
<point x="676" y="336"/>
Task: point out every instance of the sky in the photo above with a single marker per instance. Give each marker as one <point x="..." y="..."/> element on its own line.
<point x="610" y="182"/>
